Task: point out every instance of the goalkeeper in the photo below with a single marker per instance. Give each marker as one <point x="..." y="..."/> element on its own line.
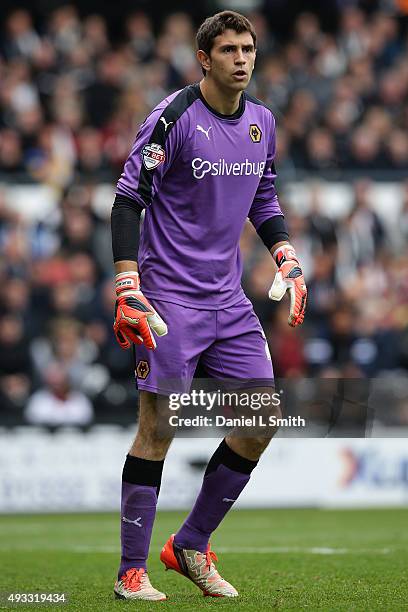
<point x="201" y="164"/>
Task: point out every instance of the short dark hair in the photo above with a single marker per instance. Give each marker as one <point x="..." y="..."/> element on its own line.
<point x="217" y="24"/>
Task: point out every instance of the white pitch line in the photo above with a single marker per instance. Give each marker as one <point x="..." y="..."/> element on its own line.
<point x="250" y="550"/>
<point x="315" y="550"/>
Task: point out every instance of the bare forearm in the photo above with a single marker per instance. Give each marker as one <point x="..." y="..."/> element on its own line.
<point x="277" y="245"/>
<point x="126" y="265"/>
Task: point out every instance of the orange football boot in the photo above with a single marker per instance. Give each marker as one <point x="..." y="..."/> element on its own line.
<point x="198" y="567"/>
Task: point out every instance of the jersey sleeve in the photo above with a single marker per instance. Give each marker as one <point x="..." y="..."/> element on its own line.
<point x="266" y="204"/>
<point x="157" y="143"/>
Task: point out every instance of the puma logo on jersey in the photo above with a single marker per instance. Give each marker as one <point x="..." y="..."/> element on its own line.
<point x="166" y="125"/>
<point x="201" y="129"/>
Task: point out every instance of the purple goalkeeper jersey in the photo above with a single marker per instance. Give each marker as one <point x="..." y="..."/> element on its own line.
<point x="199" y="175"/>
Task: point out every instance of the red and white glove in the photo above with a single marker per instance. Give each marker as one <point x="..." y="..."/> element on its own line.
<point x="289" y="277"/>
<point x="135" y="318"/>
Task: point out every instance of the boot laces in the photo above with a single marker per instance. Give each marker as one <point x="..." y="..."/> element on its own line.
<point x="133" y="578"/>
<point x="210" y="556"/>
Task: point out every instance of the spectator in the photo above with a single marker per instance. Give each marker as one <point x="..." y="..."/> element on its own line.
<point x="21" y="39"/>
<point x="321" y="229"/>
<point x="58" y="403"/>
<point x="91" y="160"/>
<point x="397" y="150"/>
<point x="95" y="36"/>
<point x="322" y="291"/>
<point x="321" y="152"/>
<point x="11" y="154"/>
<point x="286" y="347"/>
<point x="365" y="150"/>
<point x="140" y="35"/>
<point x="15" y="362"/>
<point x="67" y="346"/>
<point x="101" y="97"/>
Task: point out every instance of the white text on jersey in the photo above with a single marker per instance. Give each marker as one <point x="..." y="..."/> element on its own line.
<point x="201" y="167"/>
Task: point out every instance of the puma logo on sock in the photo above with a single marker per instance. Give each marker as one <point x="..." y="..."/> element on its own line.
<point x="135" y="522"/>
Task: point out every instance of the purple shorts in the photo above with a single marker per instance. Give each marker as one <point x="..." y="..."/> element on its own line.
<point x="229" y="343"/>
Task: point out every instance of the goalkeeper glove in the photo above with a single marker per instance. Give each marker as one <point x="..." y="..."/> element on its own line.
<point x="289" y="277"/>
<point x="135" y="318"/>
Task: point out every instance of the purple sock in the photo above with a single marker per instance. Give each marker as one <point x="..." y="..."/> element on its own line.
<point x="226" y="475"/>
<point x="138" y="510"/>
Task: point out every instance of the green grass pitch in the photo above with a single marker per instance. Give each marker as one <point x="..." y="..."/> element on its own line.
<point x="277" y="559"/>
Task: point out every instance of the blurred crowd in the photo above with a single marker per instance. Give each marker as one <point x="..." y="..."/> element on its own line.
<point x="71" y="101"/>
<point x="71" y="98"/>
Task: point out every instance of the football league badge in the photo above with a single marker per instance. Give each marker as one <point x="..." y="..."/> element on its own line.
<point x="153" y="155"/>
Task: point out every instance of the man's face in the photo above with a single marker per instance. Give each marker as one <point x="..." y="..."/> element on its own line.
<point x="231" y="60"/>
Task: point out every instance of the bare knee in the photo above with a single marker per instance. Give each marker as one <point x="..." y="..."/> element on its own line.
<point x="250" y="448"/>
<point x="152" y="440"/>
<point x="251" y="443"/>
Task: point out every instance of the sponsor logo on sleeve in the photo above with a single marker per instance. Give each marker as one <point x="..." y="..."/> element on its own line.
<point x="152" y="155"/>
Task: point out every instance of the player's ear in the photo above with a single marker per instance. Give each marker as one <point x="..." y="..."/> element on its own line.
<point x="204" y="59"/>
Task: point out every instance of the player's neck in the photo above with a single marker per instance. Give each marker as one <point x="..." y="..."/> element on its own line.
<point x="226" y="103"/>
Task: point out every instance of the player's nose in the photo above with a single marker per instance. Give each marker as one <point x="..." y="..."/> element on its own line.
<point x="240" y="57"/>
